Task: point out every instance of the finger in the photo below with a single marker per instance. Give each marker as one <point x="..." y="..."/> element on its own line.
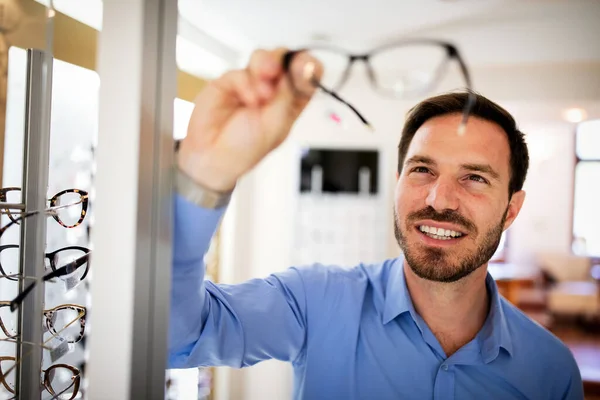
<point x="266" y="65"/>
<point x="238" y="86"/>
<point x="306" y="72"/>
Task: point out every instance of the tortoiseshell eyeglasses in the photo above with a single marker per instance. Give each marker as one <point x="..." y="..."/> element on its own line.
<point x="60" y="380"/>
<point x="59" y="321"/>
<point x="61" y="206"/>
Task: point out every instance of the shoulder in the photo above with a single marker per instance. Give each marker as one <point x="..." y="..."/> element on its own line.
<point x="532" y="343"/>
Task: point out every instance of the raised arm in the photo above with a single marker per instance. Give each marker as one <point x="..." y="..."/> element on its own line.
<point x="237" y="120"/>
<point x="233" y="325"/>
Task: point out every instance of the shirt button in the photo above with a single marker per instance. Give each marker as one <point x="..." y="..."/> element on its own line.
<point x="445" y="367"/>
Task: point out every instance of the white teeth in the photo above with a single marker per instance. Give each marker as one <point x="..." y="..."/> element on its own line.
<point x="439" y="233"/>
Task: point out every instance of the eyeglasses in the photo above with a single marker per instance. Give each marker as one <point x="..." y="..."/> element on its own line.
<point x="69" y="218"/>
<point x="50" y="211"/>
<point x="60" y="380"/>
<point x="65" y="270"/>
<point x="9" y="261"/>
<point x="55" y="352"/>
<point x="400" y="70"/>
<point x="59" y="321"/>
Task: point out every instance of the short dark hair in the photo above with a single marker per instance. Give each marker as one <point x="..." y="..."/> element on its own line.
<point x="454" y="103"/>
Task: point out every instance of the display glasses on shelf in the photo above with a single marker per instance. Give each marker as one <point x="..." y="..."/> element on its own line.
<point x="60" y="206"/>
<point x="65" y="331"/>
<point x="66" y="270"/>
<point x="9" y="261"/>
<point x="60" y="380"/>
<point x="66" y="321"/>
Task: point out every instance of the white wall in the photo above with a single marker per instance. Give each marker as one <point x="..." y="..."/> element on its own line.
<point x="545" y="220"/>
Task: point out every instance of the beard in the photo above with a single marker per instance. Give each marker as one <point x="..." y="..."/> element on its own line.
<point x="437" y="264"/>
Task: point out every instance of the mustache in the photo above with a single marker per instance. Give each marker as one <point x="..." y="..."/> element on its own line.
<point x="450" y="216"/>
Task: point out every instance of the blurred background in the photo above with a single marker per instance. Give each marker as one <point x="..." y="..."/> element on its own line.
<point x="326" y="195"/>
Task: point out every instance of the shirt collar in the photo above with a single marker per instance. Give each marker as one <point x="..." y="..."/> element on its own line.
<point x="493" y="335"/>
<point x="397" y="297"/>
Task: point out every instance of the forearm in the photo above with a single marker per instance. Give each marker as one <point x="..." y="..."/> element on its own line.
<point x="193" y="230"/>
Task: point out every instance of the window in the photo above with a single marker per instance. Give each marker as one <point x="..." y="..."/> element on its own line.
<point x="586" y="201"/>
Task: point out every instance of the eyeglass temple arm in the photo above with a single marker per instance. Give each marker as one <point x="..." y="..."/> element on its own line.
<point x="338" y="98"/>
<point x="286" y="64"/>
<point x="453" y="52"/>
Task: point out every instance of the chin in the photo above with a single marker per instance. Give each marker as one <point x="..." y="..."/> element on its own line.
<point x="439" y="264"/>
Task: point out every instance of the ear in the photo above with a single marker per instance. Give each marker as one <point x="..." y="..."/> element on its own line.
<point x="397" y="175"/>
<point x="514" y="207"/>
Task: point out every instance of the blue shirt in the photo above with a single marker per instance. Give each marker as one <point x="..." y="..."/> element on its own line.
<point x="352" y="333"/>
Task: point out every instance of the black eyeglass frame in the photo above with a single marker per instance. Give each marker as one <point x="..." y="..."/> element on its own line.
<point x="49" y="256"/>
<point x="452" y="53"/>
<point x="62" y="271"/>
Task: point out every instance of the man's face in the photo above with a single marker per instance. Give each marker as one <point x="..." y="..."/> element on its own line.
<point x="452" y="201"/>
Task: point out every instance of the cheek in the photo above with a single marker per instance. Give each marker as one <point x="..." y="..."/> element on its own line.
<point x="409" y="198"/>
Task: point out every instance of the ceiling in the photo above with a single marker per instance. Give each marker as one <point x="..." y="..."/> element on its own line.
<point x="490" y="32"/>
<point x="547" y="49"/>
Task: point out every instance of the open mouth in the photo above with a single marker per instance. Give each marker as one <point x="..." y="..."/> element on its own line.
<point x="438" y="233"/>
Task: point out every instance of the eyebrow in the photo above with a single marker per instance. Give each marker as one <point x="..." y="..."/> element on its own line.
<point x="420" y="160"/>
<point x="482" y="168"/>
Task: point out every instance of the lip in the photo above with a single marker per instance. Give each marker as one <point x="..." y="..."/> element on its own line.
<point x="443" y="225"/>
<point x="435" y="242"/>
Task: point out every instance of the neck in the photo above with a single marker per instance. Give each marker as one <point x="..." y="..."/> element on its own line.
<point x="454" y="311"/>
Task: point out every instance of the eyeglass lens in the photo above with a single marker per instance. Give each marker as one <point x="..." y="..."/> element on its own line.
<point x="9" y="262"/>
<point x="61" y="380"/>
<point x="12" y="196"/>
<point x="69" y="216"/>
<point x="67" y="321"/>
<point x="8" y="320"/>
<point x="65" y="256"/>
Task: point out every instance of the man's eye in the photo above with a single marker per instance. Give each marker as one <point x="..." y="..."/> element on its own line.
<point x="478" y="178"/>
<point x="421" y="169"/>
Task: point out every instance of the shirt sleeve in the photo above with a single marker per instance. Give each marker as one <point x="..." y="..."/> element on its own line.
<point x="232" y="325"/>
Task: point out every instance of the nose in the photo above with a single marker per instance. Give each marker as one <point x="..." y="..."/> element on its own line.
<point x="442" y="196"/>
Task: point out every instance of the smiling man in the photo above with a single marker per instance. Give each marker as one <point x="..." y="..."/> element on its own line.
<point x="429" y="324"/>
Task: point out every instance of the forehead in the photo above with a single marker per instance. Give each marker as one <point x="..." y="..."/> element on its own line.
<point x="483" y="142"/>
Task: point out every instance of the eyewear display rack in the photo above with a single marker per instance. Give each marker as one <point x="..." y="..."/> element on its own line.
<point x="33" y="229"/>
<point x="131" y="237"/>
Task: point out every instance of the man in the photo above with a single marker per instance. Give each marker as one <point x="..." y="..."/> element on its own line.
<point x="430" y="324"/>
